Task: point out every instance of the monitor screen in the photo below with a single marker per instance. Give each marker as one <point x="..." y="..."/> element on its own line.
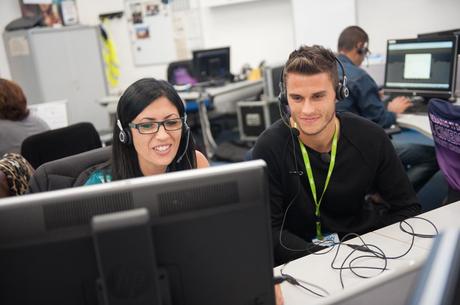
<point x="272" y="78"/>
<point x="208" y="241"/>
<point x="212" y="64"/>
<point x="439" y="280"/>
<point x="422" y="67"/>
<point x="181" y="73"/>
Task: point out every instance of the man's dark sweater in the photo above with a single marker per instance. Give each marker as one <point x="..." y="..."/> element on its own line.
<point x="366" y="163"/>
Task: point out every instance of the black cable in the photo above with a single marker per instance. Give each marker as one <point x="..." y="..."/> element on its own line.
<point x="375" y="254"/>
<point x="378" y="253"/>
<point x="302" y="284"/>
<point x="418" y="234"/>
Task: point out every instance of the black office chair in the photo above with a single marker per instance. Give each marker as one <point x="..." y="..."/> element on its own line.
<point x="70" y="171"/>
<point x="443" y="117"/>
<point x="59" y="143"/>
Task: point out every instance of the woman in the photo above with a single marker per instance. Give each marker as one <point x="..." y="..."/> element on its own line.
<point x="151" y="135"/>
<point x="16" y="123"/>
<point x="15" y="173"/>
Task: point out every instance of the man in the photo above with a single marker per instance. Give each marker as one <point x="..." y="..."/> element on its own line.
<point x="316" y="142"/>
<point x="365" y="100"/>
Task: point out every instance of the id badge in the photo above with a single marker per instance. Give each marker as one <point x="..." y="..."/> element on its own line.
<point x="328" y="240"/>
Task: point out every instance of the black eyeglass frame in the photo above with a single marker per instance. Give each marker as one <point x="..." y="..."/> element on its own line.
<point x="158" y="124"/>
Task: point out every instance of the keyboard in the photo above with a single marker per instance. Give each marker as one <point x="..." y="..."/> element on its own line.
<point x="419" y="105"/>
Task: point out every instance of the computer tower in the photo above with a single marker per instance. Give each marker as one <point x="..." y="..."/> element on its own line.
<point x="255" y="116"/>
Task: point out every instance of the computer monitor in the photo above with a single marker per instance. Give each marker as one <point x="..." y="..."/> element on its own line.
<point x="439" y="34"/>
<point x="212" y="64"/>
<point x="272" y="78"/>
<point x="439" y="281"/>
<point x="208" y="241"/>
<point x="424" y="67"/>
<point x="181" y="73"/>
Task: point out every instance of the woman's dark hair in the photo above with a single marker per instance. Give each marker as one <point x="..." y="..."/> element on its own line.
<point x="13" y="103"/>
<point x="134" y="100"/>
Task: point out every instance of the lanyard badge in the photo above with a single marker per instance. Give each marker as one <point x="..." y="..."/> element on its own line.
<point x="311" y="181"/>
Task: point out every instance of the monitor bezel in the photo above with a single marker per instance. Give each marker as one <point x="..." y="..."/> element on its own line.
<point x="424" y="92"/>
<point x="197" y="73"/>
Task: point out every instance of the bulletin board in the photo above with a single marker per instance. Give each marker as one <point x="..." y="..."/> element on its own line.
<point x="151" y="32"/>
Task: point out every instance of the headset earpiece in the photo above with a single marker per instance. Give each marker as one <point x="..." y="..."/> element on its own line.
<point x="285" y="111"/>
<point x="124" y="135"/>
<point x="341" y="91"/>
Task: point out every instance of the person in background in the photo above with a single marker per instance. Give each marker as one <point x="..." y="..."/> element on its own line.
<point x="16" y="121"/>
<point x="366" y="100"/>
<point x="329" y="173"/>
<point x="15" y="173"/>
<point x="151" y="135"/>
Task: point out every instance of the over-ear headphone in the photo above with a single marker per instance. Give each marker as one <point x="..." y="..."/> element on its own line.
<point x="124" y="135"/>
<point x="341" y="90"/>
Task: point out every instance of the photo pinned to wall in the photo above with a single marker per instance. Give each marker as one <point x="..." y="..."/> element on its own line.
<point x="142" y="32"/>
<point x="152" y="9"/>
<point x="136" y="13"/>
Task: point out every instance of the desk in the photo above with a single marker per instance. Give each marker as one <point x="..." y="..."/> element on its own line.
<point x="444" y="217"/>
<point x="391" y="287"/>
<point x="421" y="123"/>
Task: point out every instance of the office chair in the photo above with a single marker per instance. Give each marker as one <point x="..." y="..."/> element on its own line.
<point x="69" y="172"/>
<point x="59" y="143"/>
<point x="445" y="122"/>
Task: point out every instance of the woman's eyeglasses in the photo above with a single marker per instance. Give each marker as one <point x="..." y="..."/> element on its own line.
<point x="154" y="126"/>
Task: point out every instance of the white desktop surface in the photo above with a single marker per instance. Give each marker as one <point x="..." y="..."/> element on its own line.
<point x="317" y="269"/>
<point x="418" y="122"/>
<point x="443" y="218"/>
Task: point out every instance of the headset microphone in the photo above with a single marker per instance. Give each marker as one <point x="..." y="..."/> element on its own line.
<point x="295" y="131"/>
<point x="187" y="128"/>
<point x="296" y="172"/>
<point x="325" y="157"/>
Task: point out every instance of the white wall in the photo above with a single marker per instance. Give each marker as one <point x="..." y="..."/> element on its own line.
<point x="312" y="24"/>
<point x="259" y="30"/>
<point x="264" y="29"/>
<point x="9" y="10"/>
<point x="392" y="19"/>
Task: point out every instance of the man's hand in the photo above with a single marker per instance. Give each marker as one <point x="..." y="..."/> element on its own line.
<point x="399" y="104"/>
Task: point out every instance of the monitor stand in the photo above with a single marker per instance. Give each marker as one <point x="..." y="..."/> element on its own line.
<point x="126" y="260"/>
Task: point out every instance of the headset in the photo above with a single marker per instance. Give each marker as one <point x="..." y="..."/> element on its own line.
<point x="341" y="90"/>
<point x="363" y="50"/>
<point x="126" y="137"/>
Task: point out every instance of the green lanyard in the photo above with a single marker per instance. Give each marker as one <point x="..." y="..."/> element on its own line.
<point x="306" y="160"/>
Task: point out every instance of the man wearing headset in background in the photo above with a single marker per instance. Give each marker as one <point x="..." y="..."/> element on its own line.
<point x="366" y="100"/>
<point x="323" y="167"/>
